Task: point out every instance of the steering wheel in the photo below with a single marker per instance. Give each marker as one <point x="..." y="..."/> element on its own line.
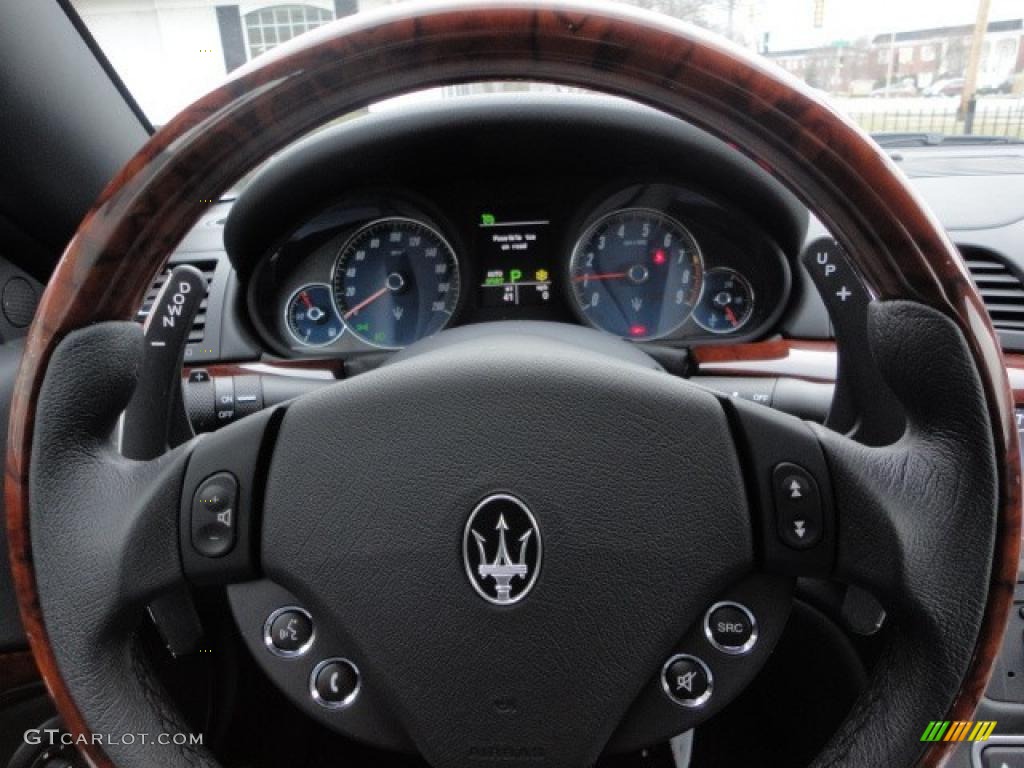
<point x="549" y="653"/>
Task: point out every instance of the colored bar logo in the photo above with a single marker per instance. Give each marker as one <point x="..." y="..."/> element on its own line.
<point x="958" y="730"/>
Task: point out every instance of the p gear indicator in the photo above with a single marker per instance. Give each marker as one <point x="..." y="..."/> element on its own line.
<point x="514" y="262"/>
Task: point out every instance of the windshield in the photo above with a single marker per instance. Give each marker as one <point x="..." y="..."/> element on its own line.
<point x="913" y="72"/>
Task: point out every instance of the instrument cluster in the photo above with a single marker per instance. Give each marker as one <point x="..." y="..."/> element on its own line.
<point x="652" y="263"/>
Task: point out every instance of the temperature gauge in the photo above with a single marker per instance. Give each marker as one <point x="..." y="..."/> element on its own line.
<point x="727" y="302"/>
<point x="310" y="316"/>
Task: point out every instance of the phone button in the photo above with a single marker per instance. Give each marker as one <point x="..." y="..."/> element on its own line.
<point x="335" y="683"/>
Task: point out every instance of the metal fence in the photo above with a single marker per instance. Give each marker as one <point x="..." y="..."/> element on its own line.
<point x="979" y="119"/>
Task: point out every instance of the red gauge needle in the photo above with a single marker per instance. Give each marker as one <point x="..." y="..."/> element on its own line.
<point x="368" y="300"/>
<point x="730" y="315"/>
<point x="306" y="300"/>
<point x="604" y="276"/>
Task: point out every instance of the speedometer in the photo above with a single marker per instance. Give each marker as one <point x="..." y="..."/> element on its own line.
<point x="395" y="281"/>
<point x="636" y="273"/>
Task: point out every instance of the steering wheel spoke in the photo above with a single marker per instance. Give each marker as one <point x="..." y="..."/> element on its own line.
<point x="901" y="520"/>
<point x="104" y="531"/>
<point x="876" y="516"/>
<point x="114" y="539"/>
<point x="907" y="510"/>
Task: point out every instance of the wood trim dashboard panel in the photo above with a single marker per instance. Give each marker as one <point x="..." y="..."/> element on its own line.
<point x="799" y="359"/>
<point x="809" y="360"/>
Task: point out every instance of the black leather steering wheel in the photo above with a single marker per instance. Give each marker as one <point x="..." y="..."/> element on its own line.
<point x="374" y="533"/>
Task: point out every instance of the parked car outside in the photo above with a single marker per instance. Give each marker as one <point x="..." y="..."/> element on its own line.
<point x="953" y="86"/>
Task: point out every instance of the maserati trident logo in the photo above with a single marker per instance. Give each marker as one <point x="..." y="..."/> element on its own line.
<point x="501" y="549"/>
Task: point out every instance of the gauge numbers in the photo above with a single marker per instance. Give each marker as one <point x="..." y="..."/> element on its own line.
<point x="395" y="281"/>
<point x="636" y="273"/>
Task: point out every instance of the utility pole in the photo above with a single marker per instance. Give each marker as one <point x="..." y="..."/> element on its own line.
<point x="968" y="102"/>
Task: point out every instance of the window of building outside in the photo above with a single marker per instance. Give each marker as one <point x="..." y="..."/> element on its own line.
<point x="1006" y="54"/>
<point x="927" y="53"/>
<point x="883" y="56"/>
<point x="906" y="55"/>
<point x="269" y="27"/>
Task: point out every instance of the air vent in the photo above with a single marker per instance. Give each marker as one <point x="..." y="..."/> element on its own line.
<point x="198" y="332"/>
<point x="1000" y="288"/>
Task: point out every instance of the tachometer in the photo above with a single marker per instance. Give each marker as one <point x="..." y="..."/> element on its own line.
<point x="396" y="280"/>
<point x="636" y="273"/>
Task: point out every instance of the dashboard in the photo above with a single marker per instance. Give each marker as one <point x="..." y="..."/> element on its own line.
<point x="649" y="262"/>
<point x="380" y="232"/>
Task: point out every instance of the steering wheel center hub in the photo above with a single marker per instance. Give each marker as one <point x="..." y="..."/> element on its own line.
<point x="480" y="460"/>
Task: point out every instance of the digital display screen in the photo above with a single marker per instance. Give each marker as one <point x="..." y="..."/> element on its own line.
<point x="515" y="262"/>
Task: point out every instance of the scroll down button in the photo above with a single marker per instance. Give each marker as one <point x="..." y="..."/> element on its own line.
<point x="797" y="506"/>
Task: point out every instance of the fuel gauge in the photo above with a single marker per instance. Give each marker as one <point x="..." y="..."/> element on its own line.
<point x="310" y="316"/>
<point x="726" y="303"/>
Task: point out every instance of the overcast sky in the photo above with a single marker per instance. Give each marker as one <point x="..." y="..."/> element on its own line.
<point x="791" y="22"/>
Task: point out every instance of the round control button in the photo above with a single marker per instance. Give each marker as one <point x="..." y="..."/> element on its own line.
<point x="335" y="683"/>
<point x="687" y="680"/>
<point x="731" y="628"/>
<point x="288" y="632"/>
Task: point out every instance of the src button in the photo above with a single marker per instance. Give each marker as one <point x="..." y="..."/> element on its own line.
<point x="797" y="506"/>
<point x="731" y="628"/>
<point x="214" y="515"/>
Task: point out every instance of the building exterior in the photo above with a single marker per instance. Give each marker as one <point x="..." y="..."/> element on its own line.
<point x="927" y="55"/>
<point x="171" y="52"/>
<point x="918" y="58"/>
<point x="834" y="68"/>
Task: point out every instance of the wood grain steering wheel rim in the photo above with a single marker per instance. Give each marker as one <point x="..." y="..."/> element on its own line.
<point x="837" y="171"/>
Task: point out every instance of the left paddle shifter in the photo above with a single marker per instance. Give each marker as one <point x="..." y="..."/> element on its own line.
<point x="155" y="421"/>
